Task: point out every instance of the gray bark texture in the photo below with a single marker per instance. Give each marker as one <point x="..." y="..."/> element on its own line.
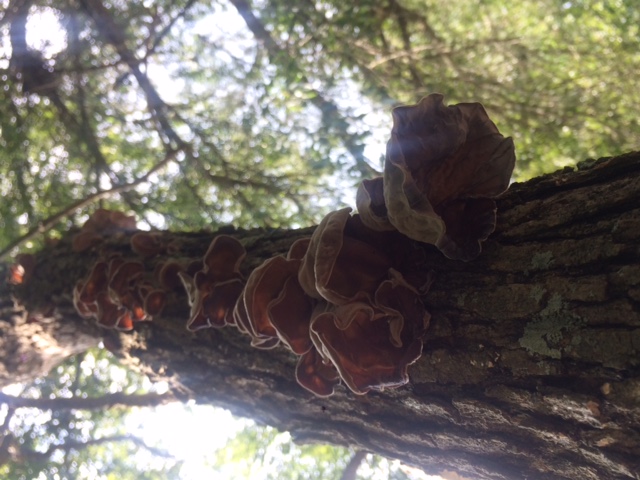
<point x="531" y="363"/>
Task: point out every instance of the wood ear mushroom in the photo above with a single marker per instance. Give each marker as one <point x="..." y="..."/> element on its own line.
<point x="444" y="166"/>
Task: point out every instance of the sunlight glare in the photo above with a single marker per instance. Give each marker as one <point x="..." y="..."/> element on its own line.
<point x="45" y="32"/>
<point x="190" y="432"/>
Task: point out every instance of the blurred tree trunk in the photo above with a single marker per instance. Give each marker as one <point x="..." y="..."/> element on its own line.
<point x="530" y="366"/>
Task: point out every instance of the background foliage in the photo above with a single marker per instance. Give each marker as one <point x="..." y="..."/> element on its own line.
<point x="195" y="114"/>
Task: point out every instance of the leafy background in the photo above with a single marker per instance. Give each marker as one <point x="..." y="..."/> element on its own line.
<point x="197" y="114"/>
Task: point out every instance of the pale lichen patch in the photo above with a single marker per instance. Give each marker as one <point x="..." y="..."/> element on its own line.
<point x="542" y="261"/>
<point x="544" y="334"/>
<point x="537" y="292"/>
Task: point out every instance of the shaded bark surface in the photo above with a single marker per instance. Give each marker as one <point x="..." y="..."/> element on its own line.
<point x="531" y="365"/>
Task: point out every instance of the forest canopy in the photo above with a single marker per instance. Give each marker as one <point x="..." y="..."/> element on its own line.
<point x="192" y="115"/>
<point x="269" y="114"/>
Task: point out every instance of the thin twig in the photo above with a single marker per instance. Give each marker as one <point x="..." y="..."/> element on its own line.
<point x="329" y="110"/>
<point x="350" y="471"/>
<point x="82" y="403"/>
<point x="50" y="222"/>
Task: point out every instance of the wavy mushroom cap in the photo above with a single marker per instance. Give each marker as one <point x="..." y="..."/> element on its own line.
<point x="316" y="375"/>
<point x="339" y="268"/>
<point x="214" y="289"/>
<point x="372" y="344"/>
<point x="371" y="205"/>
<point x="443" y="167"/>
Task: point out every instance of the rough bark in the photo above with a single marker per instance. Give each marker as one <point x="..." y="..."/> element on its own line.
<point x="530" y="366"/>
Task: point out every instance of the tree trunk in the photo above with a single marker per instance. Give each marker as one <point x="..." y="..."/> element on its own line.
<point x="531" y="361"/>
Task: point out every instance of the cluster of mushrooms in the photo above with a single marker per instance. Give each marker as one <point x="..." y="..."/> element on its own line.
<point x="342" y="300"/>
<point x="119" y="292"/>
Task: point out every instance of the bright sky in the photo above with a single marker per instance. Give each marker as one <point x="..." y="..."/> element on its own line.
<point x="189" y="432"/>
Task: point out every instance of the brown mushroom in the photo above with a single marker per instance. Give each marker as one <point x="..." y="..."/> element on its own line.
<point x="371" y="205"/>
<point x="197" y="318"/>
<point x="362" y="352"/>
<point x="124" y="280"/>
<point x="124" y="321"/>
<point x="107" y="312"/>
<point x="290" y="315"/>
<point x="316" y="375"/>
<point x="444" y="165"/>
<point x="218" y="302"/>
<point x="86" y="310"/>
<point x="340" y="268"/>
<point x="214" y="290"/>
<point x="263" y="286"/>
<point x="153" y="299"/>
<point x="109" y="221"/>
<point x="223" y="258"/>
<point x="298" y="249"/>
<point x="102" y="222"/>
<point x="85" y="240"/>
<point x="166" y="275"/>
<point x="372" y="344"/>
<point x="122" y="275"/>
<point x="147" y="244"/>
<point x="97" y="282"/>
<point x="22" y="269"/>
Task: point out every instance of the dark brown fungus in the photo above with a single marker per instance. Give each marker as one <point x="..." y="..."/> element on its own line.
<point x="399" y="301"/>
<point x="85" y="240"/>
<point x="371" y="206"/>
<point x="147" y="244"/>
<point x="274" y="304"/>
<point x="197" y="317"/>
<point x="124" y="321"/>
<point x="444" y="166"/>
<point x="15" y="275"/>
<point x="372" y="344"/>
<point x="122" y="275"/>
<point x="97" y="282"/>
<point x="223" y="257"/>
<point x="219" y="301"/>
<point x="194" y="267"/>
<point x="85" y="309"/>
<point x="102" y="222"/>
<point x="166" y="275"/>
<point x="298" y="249"/>
<point x="117" y="295"/>
<point x="154" y="302"/>
<point x="263" y="286"/>
<point x="290" y="314"/>
<point x="107" y="313"/>
<point x="109" y="221"/>
<point x="214" y="290"/>
<point x="189" y="287"/>
<point x="338" y="268"/>
<point x="22" y="269"/>
<point x="240" y="316"/>
<point x="316" y="375"/>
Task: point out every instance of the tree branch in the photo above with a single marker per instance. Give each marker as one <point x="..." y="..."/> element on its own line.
<point x="111" y="32"/>
<point x="351" y="470"/>
<point x="50" y="222"/>
<point x="80" y="403"/>
<point x="330" y="112"/>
